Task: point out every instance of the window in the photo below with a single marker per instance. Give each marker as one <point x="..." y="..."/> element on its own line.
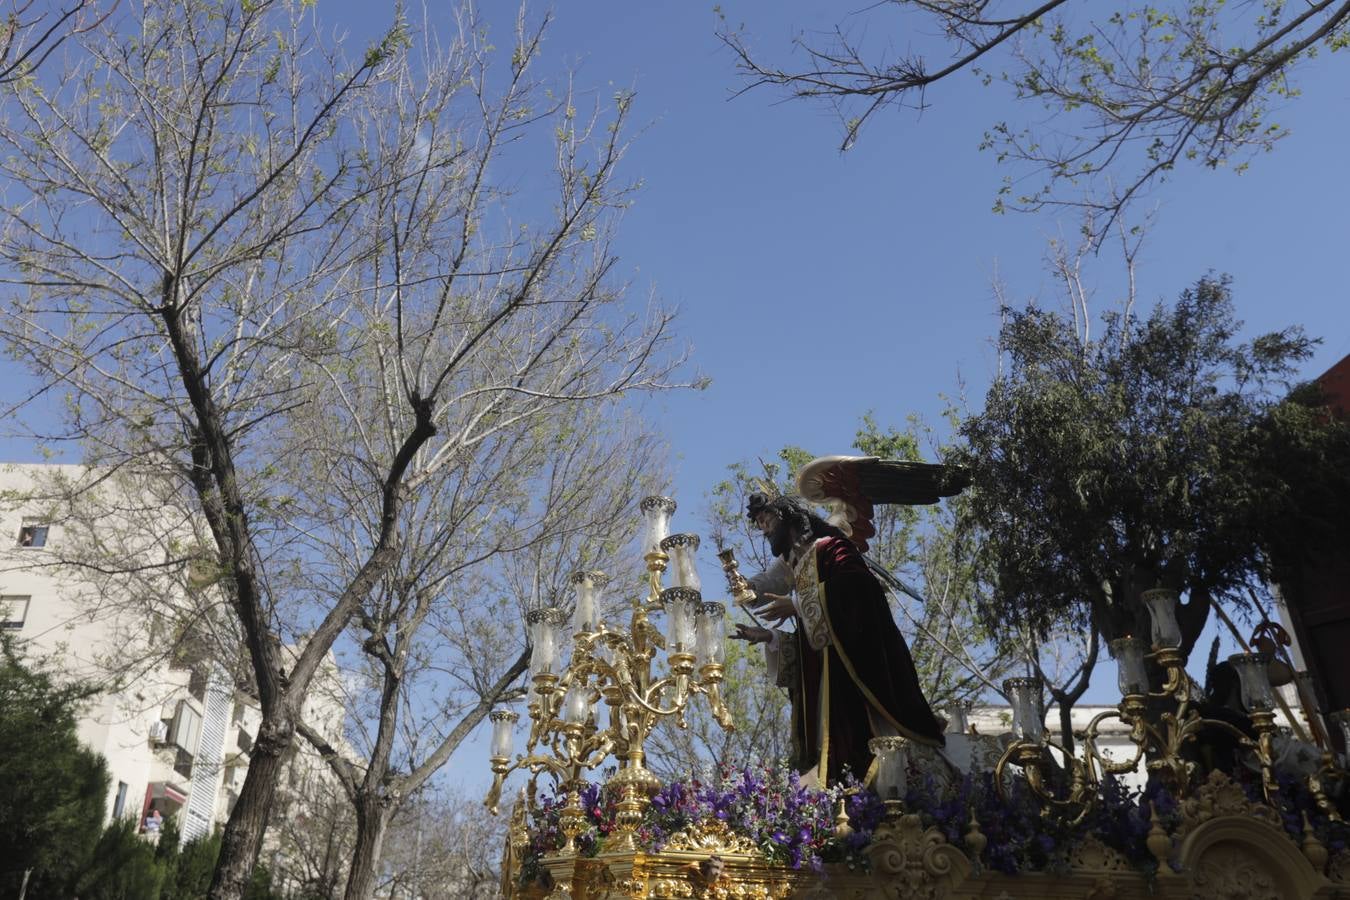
<point x="33" y="534"/>
<point x="120" y="804"/>
<point x="13" y="611"/>
<point x="182" y="763"/>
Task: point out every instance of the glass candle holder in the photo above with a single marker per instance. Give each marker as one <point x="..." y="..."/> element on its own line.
<point x="503" y="726"/>
<point x="681" y="548"/>
<point x="958" y="716"/>
<point x="892" y="766"/>
<point x="1024" y="694"/>
<point x="681" y="608"/>
<point x="543" y="627"/>
<point x="576" y="707"/>
<point x="656" y="513"/>
<point x="1257" y="694"/>
<point x="586" y="613"/>
<point x="710" y="625"/>
<point x="1131" y="673"/>
<point x="601" y="648"/>
<point x="1162" y="612"/>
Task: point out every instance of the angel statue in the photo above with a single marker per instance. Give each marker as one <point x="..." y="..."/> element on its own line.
<point x="846" y="666"/>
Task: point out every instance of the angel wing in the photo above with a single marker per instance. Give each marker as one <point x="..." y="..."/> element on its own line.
<point x="849" y="486"/>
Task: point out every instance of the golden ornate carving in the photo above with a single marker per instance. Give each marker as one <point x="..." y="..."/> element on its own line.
<point x="711" y="836"/>
<point x="1234" y="855"/>
<point x="1221" y="796"/>
<point x="1093" y="856"/>
<point x="670" y="888"/>
<point x="1232" y="873"/>
<point x="594" y="880"/>
<point x="723" y="890"/>
<point x="1102" y="889"/>
<point x="911" y="863"/>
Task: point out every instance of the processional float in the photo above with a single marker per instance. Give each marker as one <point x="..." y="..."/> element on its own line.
<point x="597" y="691"/>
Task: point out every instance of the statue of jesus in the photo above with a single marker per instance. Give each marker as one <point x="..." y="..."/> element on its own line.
<point x="846" y="667"/>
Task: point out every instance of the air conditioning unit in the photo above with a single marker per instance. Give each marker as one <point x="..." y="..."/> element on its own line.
<point x="159" y="731"/>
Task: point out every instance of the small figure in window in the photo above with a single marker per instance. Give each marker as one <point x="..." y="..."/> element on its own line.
<point x="153" y="822"/>
<point x="33" y="536"/>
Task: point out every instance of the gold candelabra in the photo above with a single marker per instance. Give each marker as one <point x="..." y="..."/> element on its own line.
<point x="617" y="667"/>
<point x="1162" y="724"/>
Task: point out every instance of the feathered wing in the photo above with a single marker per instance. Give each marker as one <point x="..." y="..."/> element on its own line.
<point x="849" y="486"/>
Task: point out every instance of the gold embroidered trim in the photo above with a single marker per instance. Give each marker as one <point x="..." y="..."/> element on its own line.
<point x="809" y="605"/>
<point x="822" y="776"/>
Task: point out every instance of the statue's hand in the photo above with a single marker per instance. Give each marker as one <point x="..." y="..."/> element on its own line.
<point x="777" y="607"/>
<point x="752" y="634"/>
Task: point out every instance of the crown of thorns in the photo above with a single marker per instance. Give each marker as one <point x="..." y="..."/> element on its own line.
<point x="785" y="507"/>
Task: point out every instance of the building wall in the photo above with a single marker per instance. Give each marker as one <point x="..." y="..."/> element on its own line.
<point x="95" y="633"/>
<point x="1315" y="598"/>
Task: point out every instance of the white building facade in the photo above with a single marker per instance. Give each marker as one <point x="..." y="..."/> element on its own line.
<point x="175" y="732"/>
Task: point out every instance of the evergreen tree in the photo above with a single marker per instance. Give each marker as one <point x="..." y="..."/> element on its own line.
<point x="52" y="804"/>
<point x="1164" y="453"/>
<point x="124" y="866"/>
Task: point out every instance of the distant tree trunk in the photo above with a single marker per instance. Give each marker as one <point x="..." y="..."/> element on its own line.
<point x="372" y="821"/>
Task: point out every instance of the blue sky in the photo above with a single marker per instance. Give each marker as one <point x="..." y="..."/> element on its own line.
<point x="814" y="286"/>
<point x="867" y="276"/>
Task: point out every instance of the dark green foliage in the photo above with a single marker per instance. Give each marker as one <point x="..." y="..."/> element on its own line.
<point x="196" y="862"/>
<point x="124" y="866"/>
<point x="194" y="866"/>
<point x="52" y="807"/>
<point x="52" y="801"/>
<point x="1163" y="453"/>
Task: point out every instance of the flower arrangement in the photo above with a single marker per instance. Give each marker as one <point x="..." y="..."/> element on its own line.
<point x="1297" y="807"/>
<point x="793" y="825"/>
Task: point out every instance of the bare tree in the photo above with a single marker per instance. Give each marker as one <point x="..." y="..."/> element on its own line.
<point x="447" y="847"/>
<point x="222" y="230"/>
<point x="313" y="836"/>
<point x="443" y="640"/>
<point x="1134" y="90"/>
<point x="31" y="32"/>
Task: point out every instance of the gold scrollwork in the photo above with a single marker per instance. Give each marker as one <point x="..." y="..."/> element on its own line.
<point x="1092" y="855"/>
<point x="1233" y="874"/>
<point x="909" y="861"/>
<point x="1219" y="795"/>
<point x="711" y="836"/>
<point x="594" y="880"/>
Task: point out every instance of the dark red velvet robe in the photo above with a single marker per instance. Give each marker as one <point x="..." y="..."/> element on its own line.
<point x="869" y="665"/>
